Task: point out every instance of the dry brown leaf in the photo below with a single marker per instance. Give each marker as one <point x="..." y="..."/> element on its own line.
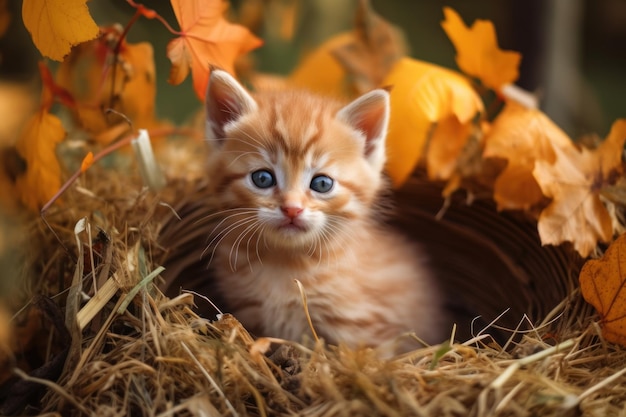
<point x="521" y="136"/>
<point x="576" y="213"/>
<point x="128" y="87"/>
<point x="376" y="47"/>
<point x="446" y="144"/>
<point x="603" y="285"/>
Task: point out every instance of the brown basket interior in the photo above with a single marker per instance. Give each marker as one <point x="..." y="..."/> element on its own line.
<point x="491" y="264"/>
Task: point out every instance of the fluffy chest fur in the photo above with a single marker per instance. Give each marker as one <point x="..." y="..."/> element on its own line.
<point x="366" y="294"/>
<point x="296" y="180"/>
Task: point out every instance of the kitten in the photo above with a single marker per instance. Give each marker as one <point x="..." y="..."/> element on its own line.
<point x="297" y="178"/>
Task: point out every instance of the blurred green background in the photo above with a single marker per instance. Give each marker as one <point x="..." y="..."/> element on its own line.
<point x="573" y="50"/>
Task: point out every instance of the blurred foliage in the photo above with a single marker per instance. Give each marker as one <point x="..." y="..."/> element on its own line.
<point x="601" y="38"/>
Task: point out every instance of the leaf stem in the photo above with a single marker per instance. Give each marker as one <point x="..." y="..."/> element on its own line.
<point x="151" y="14"/>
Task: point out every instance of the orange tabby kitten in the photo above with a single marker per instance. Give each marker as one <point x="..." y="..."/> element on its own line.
<point x="297" y="178"/>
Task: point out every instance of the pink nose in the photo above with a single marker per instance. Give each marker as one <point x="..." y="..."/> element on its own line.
<point x="291" y="212"/>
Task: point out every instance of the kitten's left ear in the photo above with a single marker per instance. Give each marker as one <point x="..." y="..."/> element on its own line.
<point x="369" y="114"/>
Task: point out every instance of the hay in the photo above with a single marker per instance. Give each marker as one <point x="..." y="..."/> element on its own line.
<point x="126" y="349"/>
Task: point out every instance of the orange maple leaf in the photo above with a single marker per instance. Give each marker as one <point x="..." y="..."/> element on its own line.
<point x="57" y="25"/>
<point x="478" y="53"/>
<point x="603" y="285"/>
<point x="206" y="39"/>
<point x="521" y="135"/>
<point x="576" y="213"/>
<point x="423" y="94"/>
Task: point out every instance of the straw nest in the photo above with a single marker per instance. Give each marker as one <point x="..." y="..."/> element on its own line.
<point x="126" y="349"/>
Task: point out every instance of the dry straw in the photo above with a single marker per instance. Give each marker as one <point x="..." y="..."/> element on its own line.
<point x="132" y="351"/>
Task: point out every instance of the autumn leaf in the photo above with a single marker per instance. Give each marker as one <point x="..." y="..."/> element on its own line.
<point x="477" y="51"/>
<point x="574" y="181"/>
<point x="603" y="285"/>
<point x="138" y="95"/>
<point x="353" y="62"/>
<point x="521" y="136"/>
<point x="98" y="83"/>
<point x="330" y="81"/>
<point x="206" y="39"/>
<point x="445" y="146"/>
<point x="375" y="48"/>
<point x="57" y="25"/>
<point x="421" y="95"/>
<point x="87" y="162"/>
<point x="37" y="144"/>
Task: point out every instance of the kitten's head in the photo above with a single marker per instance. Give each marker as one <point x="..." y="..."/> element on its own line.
<point x="291" y="167"/>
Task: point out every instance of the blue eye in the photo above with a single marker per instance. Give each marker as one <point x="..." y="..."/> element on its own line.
<point x="263" y="178"/>
<point x="322" y="183"/>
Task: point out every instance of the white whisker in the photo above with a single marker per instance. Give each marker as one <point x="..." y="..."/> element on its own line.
<point x="235" y="247"/>
<point x="257" y="231"/>
<point x="221" y="235"/>
<point x="335" y="234"/>
<point x="242" y="210"/>
<point x="258" y="239"/>
<point x="244" y="154"/>
<point x="215" y="236"/>
<point x="319" y="244"/>
<point x="255" y="140"/>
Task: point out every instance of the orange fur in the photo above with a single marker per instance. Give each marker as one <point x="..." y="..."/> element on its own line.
<point x="364" y="283"/>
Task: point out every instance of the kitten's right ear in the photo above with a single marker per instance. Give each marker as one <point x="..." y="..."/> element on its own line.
<point x="226" y="101"/>
<point x="369" y="115"/>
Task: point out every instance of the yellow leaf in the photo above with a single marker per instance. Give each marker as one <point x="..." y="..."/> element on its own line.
<point x="57" y="25"/>
<point x="576" y="213"/>
<point x="421" y="95"/>
<point x="139" y="92"/>
<point x="603" y="285"/>
<point x="521" y="136"/>
<point x="37" y="145"/>
<point x="478" y="53"/>
<point x="332" y="79"/>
